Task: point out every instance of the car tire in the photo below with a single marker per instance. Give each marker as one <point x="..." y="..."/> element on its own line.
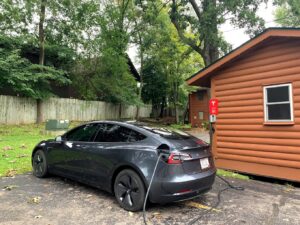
<point x="39" y="164"/>
<point x="129" y="190"/>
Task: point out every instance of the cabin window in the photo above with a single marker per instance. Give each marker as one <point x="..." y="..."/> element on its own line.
<point x="200" y="95"/>
<point x="278" y="103"/>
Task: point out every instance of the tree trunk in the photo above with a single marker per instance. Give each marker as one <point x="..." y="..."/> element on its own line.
<point x="209" y="51"/>
<point x="39" y="118"/>
<point x="42" y="33"/>
<point x="120" y="111"/>
<point x="162" y="109"/>
<point x="176" y="102"/>
<point x="141" y="77"/>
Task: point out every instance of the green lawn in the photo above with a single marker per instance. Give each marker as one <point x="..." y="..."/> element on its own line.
<point x="16" y="144"/>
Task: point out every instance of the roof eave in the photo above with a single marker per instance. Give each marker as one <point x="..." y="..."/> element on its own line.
<point x="271" y="32"/>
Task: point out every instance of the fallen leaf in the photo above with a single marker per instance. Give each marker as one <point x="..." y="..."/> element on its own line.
<point x="9" y="187"/>
<point x="130" y="213"/>
<point x="12" y="161"/>
<point x="6" y="148"/>
<point x="200" y="206"/>
<point x="288" y="188"/>
<point x="23" y="146"/>
<point x="22" y="156"/>
<point x="156" y="215"/>
<point x="10" y="173"/>
<point x="35" y="200"/>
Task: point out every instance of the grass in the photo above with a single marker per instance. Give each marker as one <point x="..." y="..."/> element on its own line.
<point x="226" y="173"/>
<point x="181" y="126"/>
<point x="16" y="144"/>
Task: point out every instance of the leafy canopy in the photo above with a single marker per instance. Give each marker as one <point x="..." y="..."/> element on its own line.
<point x="22" y="76"/>
<point x="287" y="13"/>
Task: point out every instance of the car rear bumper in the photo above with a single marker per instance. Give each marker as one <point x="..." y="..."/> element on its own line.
<point x="188" y="186"/>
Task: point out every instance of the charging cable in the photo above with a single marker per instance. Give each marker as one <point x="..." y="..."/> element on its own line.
<point x="148" y="190"/>
<point x="229" y="186"/>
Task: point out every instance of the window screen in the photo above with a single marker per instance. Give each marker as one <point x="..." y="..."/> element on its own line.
<point x="278" y="103"/>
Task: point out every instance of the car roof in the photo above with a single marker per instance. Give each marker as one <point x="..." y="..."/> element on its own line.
<point x="145" y="128"/>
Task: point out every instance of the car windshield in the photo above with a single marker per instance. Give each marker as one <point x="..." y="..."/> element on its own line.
<point x="168" y="133"/>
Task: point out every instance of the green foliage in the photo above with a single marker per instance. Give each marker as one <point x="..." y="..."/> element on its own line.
<point x="202" y="18"/>
<point x="22" y="76"/>
<point x="155" y="82"/>
<point x="168" y="64"/>
<point x="205" y="125"/>
<point x="181" y="126"/>
<point x="104" y="73"/>
<point x="288" y="13"/>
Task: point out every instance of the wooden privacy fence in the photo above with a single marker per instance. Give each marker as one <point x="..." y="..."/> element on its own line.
<point x="19" y="110"/>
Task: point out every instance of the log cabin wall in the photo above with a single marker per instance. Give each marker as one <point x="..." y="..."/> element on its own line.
<point x="244" y="140"/>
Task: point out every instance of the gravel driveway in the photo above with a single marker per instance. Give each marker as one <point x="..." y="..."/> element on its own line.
<point x="26" y="199"/>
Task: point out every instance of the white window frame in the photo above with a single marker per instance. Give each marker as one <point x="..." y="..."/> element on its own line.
<point x="275" y="103"/>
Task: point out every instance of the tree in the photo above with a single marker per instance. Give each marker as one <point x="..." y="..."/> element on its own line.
<point x="65" y="22"/>
<point x="168" y="62"/>
<point x="142" y="34"/>
<point x="24" y="77"/>
<point x="202" y="18"/>
<point x="288" y="13"/>
<point x="103" y="72"/>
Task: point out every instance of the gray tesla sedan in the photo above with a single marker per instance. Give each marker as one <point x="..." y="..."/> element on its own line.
<point x="120" y="158"/>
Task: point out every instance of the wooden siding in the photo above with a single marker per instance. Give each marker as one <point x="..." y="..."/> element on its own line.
<point x="197" y="106"/>
<point x="242" y="140"/>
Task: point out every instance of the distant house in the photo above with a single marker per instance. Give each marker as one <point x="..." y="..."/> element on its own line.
<point x="198" y="107"/>
<point x="258" y="87"/>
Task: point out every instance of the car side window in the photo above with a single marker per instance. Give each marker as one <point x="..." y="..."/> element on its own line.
<point x="136" y="136"/>
<point x="83" y="133"/>
<point x="116" y="133"/>
<point x="100" y="137"/>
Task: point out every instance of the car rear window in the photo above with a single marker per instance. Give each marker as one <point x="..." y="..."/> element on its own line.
<point x="168" y="133"/>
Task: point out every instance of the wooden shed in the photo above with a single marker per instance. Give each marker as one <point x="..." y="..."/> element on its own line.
<point x="198" y="107"/>
<point x="258" y="87"/>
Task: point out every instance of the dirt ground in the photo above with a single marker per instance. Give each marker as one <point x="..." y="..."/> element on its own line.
<point x="26" y="199"/>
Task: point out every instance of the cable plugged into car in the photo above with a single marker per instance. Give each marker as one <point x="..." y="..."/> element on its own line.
<point x="173" y="157"/>
<point x="177" y="158"/>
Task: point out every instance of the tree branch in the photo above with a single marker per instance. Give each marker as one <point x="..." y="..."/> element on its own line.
<point x="180" y="30"/>
<point x="196" y="8"/>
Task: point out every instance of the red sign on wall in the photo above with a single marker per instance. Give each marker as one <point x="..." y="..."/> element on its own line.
<point x="213" y="106"/>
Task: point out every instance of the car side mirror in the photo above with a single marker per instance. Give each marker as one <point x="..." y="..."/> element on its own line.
<point x="59" y="139"/>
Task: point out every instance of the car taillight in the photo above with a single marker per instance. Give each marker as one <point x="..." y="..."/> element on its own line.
<point x="177" y="158"/>
<point x="200" y="142"/>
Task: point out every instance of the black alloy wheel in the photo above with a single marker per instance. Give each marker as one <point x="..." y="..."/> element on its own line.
<point x="39" y="164"/>
<point x="129" y="190"/>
